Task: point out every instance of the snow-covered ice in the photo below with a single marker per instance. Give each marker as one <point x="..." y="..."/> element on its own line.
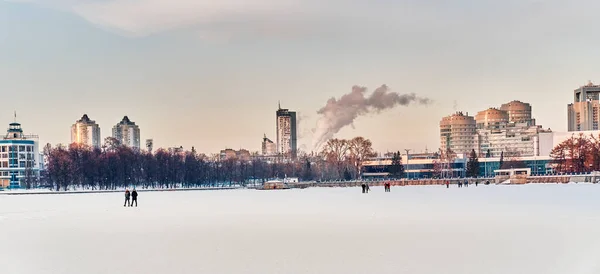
<point x="542" y="229"/>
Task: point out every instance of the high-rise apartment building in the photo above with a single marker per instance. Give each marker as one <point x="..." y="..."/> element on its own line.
<point x="583" y="112"/>
<point x="127" y="133"/>
<point x="286" y="132"/>
<point x="458" y="133"/>
<point x="86" y="132"/>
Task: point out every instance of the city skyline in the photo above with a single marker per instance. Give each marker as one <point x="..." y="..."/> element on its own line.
<point x="187" y="77"/>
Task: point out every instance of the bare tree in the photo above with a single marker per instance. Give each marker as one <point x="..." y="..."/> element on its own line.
<point x="360" y="149"/>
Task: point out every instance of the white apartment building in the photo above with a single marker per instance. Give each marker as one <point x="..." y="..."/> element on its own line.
<point x="127" y="133"/>
<point x="583" y="113"/>
<point x="19" y="154"/>
<point x="86" y="132"/>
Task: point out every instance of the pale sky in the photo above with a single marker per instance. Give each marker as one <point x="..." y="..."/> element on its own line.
<point x="209" y="73"/>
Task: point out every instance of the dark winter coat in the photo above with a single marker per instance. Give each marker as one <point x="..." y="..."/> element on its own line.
<point x="134" y="194"/>
<point x="127" y="195"/>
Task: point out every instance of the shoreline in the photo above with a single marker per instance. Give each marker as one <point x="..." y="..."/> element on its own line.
<point x="52" y="192"/>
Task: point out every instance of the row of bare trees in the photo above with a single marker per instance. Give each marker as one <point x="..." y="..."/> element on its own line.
<point x="580" y="153"/>
<point x="115" y="166"/>
<point x="347" y="156"/>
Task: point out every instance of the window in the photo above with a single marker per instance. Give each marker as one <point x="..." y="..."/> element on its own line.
<point x="29" y="148"/>
<point x="21" y="148"/>
<point x="22" y="156"/>
<point x="5" y="164"/>
<point x="22" y="164"/>
<point x="3" y="149"/>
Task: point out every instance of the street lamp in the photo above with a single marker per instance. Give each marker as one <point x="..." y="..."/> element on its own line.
<point x="407" y="173"/>
<point x="485" y="166"/>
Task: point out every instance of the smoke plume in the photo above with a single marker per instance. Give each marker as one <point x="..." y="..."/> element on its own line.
<point x="339" y="113"/>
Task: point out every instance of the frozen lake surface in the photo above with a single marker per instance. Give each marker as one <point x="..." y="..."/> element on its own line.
<point x="542" y="229"/>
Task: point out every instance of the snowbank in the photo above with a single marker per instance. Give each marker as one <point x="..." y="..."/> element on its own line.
<point x="548" y="229"/>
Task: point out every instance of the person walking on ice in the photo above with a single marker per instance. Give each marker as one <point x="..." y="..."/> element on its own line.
<point x="134" y="197"/>
<point x="127" y="194"/>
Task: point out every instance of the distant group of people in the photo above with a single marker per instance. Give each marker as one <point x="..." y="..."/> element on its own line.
<point x="130" y="196"/>
<point x="465" y="183"/>
<point x="387" y="186"/>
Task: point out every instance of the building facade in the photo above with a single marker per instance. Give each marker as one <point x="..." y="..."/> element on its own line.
<point x="20" y="158"/>
<point x="510" y="130"/>
<point x="241" y="155"/>
<point x="458" y="133"/>
<point x="149" y="145"/>
<point x="492" y="118"/>
<point x="286" y="132"/>
<point x="268" y="147"/>
<point x="519" y="112"/>
<point x="86" y="132"/>
<point x="583" y="112"/>
<point x="515" y="139"/>
<point x="425" y="167"/>
<point x="127" y="133"/>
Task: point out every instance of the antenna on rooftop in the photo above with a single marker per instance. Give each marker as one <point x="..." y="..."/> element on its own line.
<point x="15" y="116"/>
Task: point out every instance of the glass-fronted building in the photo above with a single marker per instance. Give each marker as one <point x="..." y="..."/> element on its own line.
<point x="425" y="167"/>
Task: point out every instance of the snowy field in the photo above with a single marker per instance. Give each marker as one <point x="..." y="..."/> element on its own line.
<point x="542" y="229"/>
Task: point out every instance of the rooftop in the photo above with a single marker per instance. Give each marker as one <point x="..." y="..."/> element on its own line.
<point x="126" y="121"/>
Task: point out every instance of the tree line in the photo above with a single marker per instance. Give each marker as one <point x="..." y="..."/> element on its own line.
<point x="579" y="153"/>
<point x="115" y="166"/>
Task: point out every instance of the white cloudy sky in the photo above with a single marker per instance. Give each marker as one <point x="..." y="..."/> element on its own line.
<point x="209" y="73"/>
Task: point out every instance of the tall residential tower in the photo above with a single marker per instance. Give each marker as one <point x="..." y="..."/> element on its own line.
<point x="127" y="133"/>
<point x="86" y="132"/>
<point x="286" y="132"/>
<point x="583" y="112"/>
<point x="458" y="133"/>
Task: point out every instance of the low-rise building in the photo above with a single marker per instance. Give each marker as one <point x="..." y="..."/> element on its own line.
<point x="432" y="166"/>
<point x="20" y="158"/>
<point x="268" y="147"/>
<point x="242" y="155"/>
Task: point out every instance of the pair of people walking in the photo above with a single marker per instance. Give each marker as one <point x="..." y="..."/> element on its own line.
<point x="387" y="186"/>
<point x="365" y="188"/>
<point x="133" y="196"/>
